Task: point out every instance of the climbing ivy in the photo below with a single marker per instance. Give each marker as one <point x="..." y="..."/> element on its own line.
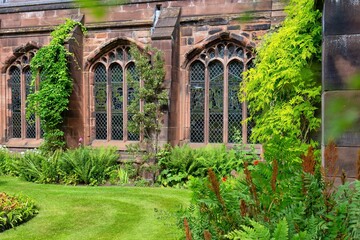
<point x="51" y="98"/>
<point x="283" y="90"/>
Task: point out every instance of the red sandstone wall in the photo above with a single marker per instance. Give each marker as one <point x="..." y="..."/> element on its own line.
<point x="198" y="22"/>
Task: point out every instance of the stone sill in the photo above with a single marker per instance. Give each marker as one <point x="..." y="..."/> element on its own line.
<point x="23" y="143"/>
<point x="120" y="145"/>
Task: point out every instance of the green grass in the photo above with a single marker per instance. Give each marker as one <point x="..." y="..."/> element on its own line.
<point x="82" y="212"/>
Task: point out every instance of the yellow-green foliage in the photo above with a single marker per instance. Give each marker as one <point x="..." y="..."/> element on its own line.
<point x="283" y="90"/>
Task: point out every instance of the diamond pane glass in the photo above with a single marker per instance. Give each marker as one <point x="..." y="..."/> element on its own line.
<point x="211" y="53"/>
<point x="120" y="55"/>
<point x="30" y="123"/>
<point x="111" y="57"/>
<point x="197" y="101"/>
<point x="116" y="78"/>
<point x="221" y="50"/>
<point x="130" y="93"/>
<point x="30" y="127"/>
<point x="240" y="52"/>
<point x="216" y="101"/>
<point x="234" y="106"/>
<point x="231" y="50"/>
<point x="15" y="102"/>
<point x="100" y="94"/>
<point x="128" y="54"/>
<point x="16" y="124"/>
<point x="100" y="73"/>
<point x="117" y="130"/>
<point x="101" y="125"/>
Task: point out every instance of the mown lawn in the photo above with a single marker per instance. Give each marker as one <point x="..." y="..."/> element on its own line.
<point x="83" y="212"/>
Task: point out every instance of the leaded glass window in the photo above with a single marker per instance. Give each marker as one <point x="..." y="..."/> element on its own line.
<point x="215" y="110"/>
<point x="20" y="84"/>
<point x="112" y="95"/>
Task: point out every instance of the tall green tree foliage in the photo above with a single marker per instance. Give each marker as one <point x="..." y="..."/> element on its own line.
<point x="51" y="99"/>
<point x="150" y="93"/>
<point x="283" y="90"/>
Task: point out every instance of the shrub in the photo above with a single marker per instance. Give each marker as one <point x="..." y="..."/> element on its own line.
<point x="35" y="166"/>
<point x="5" y="161"/>
<point x="86" y="165"/>
<point x="283" y="89"/>
<point x="15" y="210"/>
<point x="274" y="196"/>
<point x="180" y="164"/>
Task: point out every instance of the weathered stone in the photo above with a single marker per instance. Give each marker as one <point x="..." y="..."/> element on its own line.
<point x="234" y="27"/>
<point x="190" y="41"/>
<point x="341" y="17"/>
<point x="257" y="27"/>
<point x="346" y="161"/>
<point x="342" y="63"/>
<point x="186" y="31"/>
<point x="215" y="30"/>
<point x="349" y="100"/>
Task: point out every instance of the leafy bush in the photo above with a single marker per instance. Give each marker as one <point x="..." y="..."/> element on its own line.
<point x="83" y="165"/>
<point x="276" y="198"/>
<point x="34" y="166"/>
<point x="5" y="161"/>
<point x="15" y="210"/>
<point x="283" y="89"/>
<point x="88" y="165"/>
<point x="180" y="164"/>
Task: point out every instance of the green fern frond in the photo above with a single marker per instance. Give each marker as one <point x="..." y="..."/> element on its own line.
<point x="354" y="213"/>
<point x="281" y="231"/>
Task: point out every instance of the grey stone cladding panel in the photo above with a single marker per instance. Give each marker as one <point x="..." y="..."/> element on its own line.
<point x="341" y="61"/>
<point x="341" y="17"/>
<point x="348" y="100"/>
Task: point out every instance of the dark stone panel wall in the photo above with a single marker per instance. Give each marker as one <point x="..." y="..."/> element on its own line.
<point x="341" y="17"/>
<point x="341" y="61"/>
<point x="341" y="65"/>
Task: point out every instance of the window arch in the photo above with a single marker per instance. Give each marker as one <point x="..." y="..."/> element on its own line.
<point x="20" y="84"/>
<point x="112" y="95"/>
<point x="214" y="77"/>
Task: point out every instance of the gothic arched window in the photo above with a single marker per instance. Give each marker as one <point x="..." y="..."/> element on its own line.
<point x="112" y="95"/>
<point x="20" y="84"/>
<point x="215" y="111"/>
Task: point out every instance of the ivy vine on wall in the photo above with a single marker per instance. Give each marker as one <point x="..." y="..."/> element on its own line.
<point x="51" y="99"/>
<point x="283" y="90"/>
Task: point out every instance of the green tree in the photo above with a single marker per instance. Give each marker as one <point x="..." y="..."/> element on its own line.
<point x="283" y="90"/>
<point x="150" y="98"/>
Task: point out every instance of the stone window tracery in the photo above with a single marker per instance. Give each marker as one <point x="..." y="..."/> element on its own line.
<point x="214" y="77"/>
<point x="20" y="84"/>
<point x="112" y="95"/>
